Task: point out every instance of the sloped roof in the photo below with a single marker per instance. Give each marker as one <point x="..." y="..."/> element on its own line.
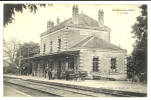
<point x="88" y="21"/>
<point x="83" y="19"/>
<point x="95" y="42"/>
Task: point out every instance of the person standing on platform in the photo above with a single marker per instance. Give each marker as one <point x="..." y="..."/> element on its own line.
<point x="49" y="74"/>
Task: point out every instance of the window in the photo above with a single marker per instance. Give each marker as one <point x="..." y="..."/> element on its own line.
<point x="95" y="64"/>
<point x="59" y="44"/>
<point x="113" y="64"/>
<point x="51" y="49"/>
<point x="44" y="48"/>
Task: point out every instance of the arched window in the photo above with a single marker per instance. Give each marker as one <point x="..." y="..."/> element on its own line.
<point x="95" y="64"/>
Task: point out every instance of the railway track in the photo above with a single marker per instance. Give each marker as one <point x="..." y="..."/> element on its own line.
<point x="38" y="89"/>
<point x="53" y="89"/>
<point x="28" y="92"/>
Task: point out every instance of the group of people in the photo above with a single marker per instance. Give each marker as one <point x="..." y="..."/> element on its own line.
<point x="68" y="75"/>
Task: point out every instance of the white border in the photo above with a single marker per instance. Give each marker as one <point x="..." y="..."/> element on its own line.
<point x="76" y="2"/>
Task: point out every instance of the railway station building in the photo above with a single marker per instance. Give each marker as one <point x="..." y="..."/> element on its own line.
<point x="80" y="43"/>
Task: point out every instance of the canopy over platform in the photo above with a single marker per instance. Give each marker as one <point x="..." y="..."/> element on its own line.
<point x="55" y="54"/>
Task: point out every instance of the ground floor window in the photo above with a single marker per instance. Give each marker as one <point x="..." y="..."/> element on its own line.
<point x="95" y="64"/>
<point x="113" y="65"/>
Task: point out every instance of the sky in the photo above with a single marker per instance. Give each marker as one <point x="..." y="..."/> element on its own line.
<point x="120" y="18"/>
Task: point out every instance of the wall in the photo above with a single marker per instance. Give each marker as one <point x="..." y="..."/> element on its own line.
<point x="69" y="37"/>
<point x="105" y="35"/>
<point x="53" y="37"/>
<point x="86" y="59"/>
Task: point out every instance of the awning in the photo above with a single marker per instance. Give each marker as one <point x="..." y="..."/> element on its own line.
<point x="55" y="54"/>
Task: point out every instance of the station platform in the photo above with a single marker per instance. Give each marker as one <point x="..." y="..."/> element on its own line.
<point x="97" y="85"/>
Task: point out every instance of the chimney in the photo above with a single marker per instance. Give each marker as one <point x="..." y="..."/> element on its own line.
<point x="75" y="14"/>
<point x="58" y="20"/>
<point x="101" y="18"/>
<point x="50" y="24"/>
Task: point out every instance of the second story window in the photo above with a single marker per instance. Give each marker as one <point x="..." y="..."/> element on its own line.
<point x="51" y="49"/>
<point x="113" y="65"/>
<point x="59" y="44"/>
<point x="44" y="48"/>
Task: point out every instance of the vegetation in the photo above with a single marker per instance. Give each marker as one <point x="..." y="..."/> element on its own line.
<point x="10" y="9"/>
<point x="14" y="51"/>
<point x="137" y="63"/>
<point x="27" y="50"/>
<point x="9" y="52"/>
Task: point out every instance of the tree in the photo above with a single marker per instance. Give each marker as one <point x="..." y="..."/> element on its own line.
<point x="9" y="52"/>
<point x="139" y="53"/>
<point x="13" y="50"/>
<point x="10" y="9"/>
<point x="27" y="49"/>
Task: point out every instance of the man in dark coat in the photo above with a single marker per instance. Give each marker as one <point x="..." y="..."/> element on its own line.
<point x="49" y="74"/>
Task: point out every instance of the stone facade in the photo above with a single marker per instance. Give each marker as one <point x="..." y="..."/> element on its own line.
<point x="86" y="63"/>
<point x="69" y="37"/>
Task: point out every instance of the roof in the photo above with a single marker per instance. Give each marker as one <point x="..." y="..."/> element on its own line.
<point x="84" y="21"/>
<point x="94" y="42"/>
<point x="87" y="21"/>
<point x="54" y="54"/>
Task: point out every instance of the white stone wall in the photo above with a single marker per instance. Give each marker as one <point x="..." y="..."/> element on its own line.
<point x="86" y="63"/>
<point x="69" y="37"/>
<point x="53" y="37"/>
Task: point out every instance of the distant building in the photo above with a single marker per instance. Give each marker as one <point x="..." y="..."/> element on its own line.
<point x="80" y="43"/>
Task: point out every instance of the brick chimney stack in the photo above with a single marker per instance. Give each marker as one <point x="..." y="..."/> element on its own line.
<point x="50" y="24"/>
<point x="75" y="13"/>
<point x="101" y="18"/>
